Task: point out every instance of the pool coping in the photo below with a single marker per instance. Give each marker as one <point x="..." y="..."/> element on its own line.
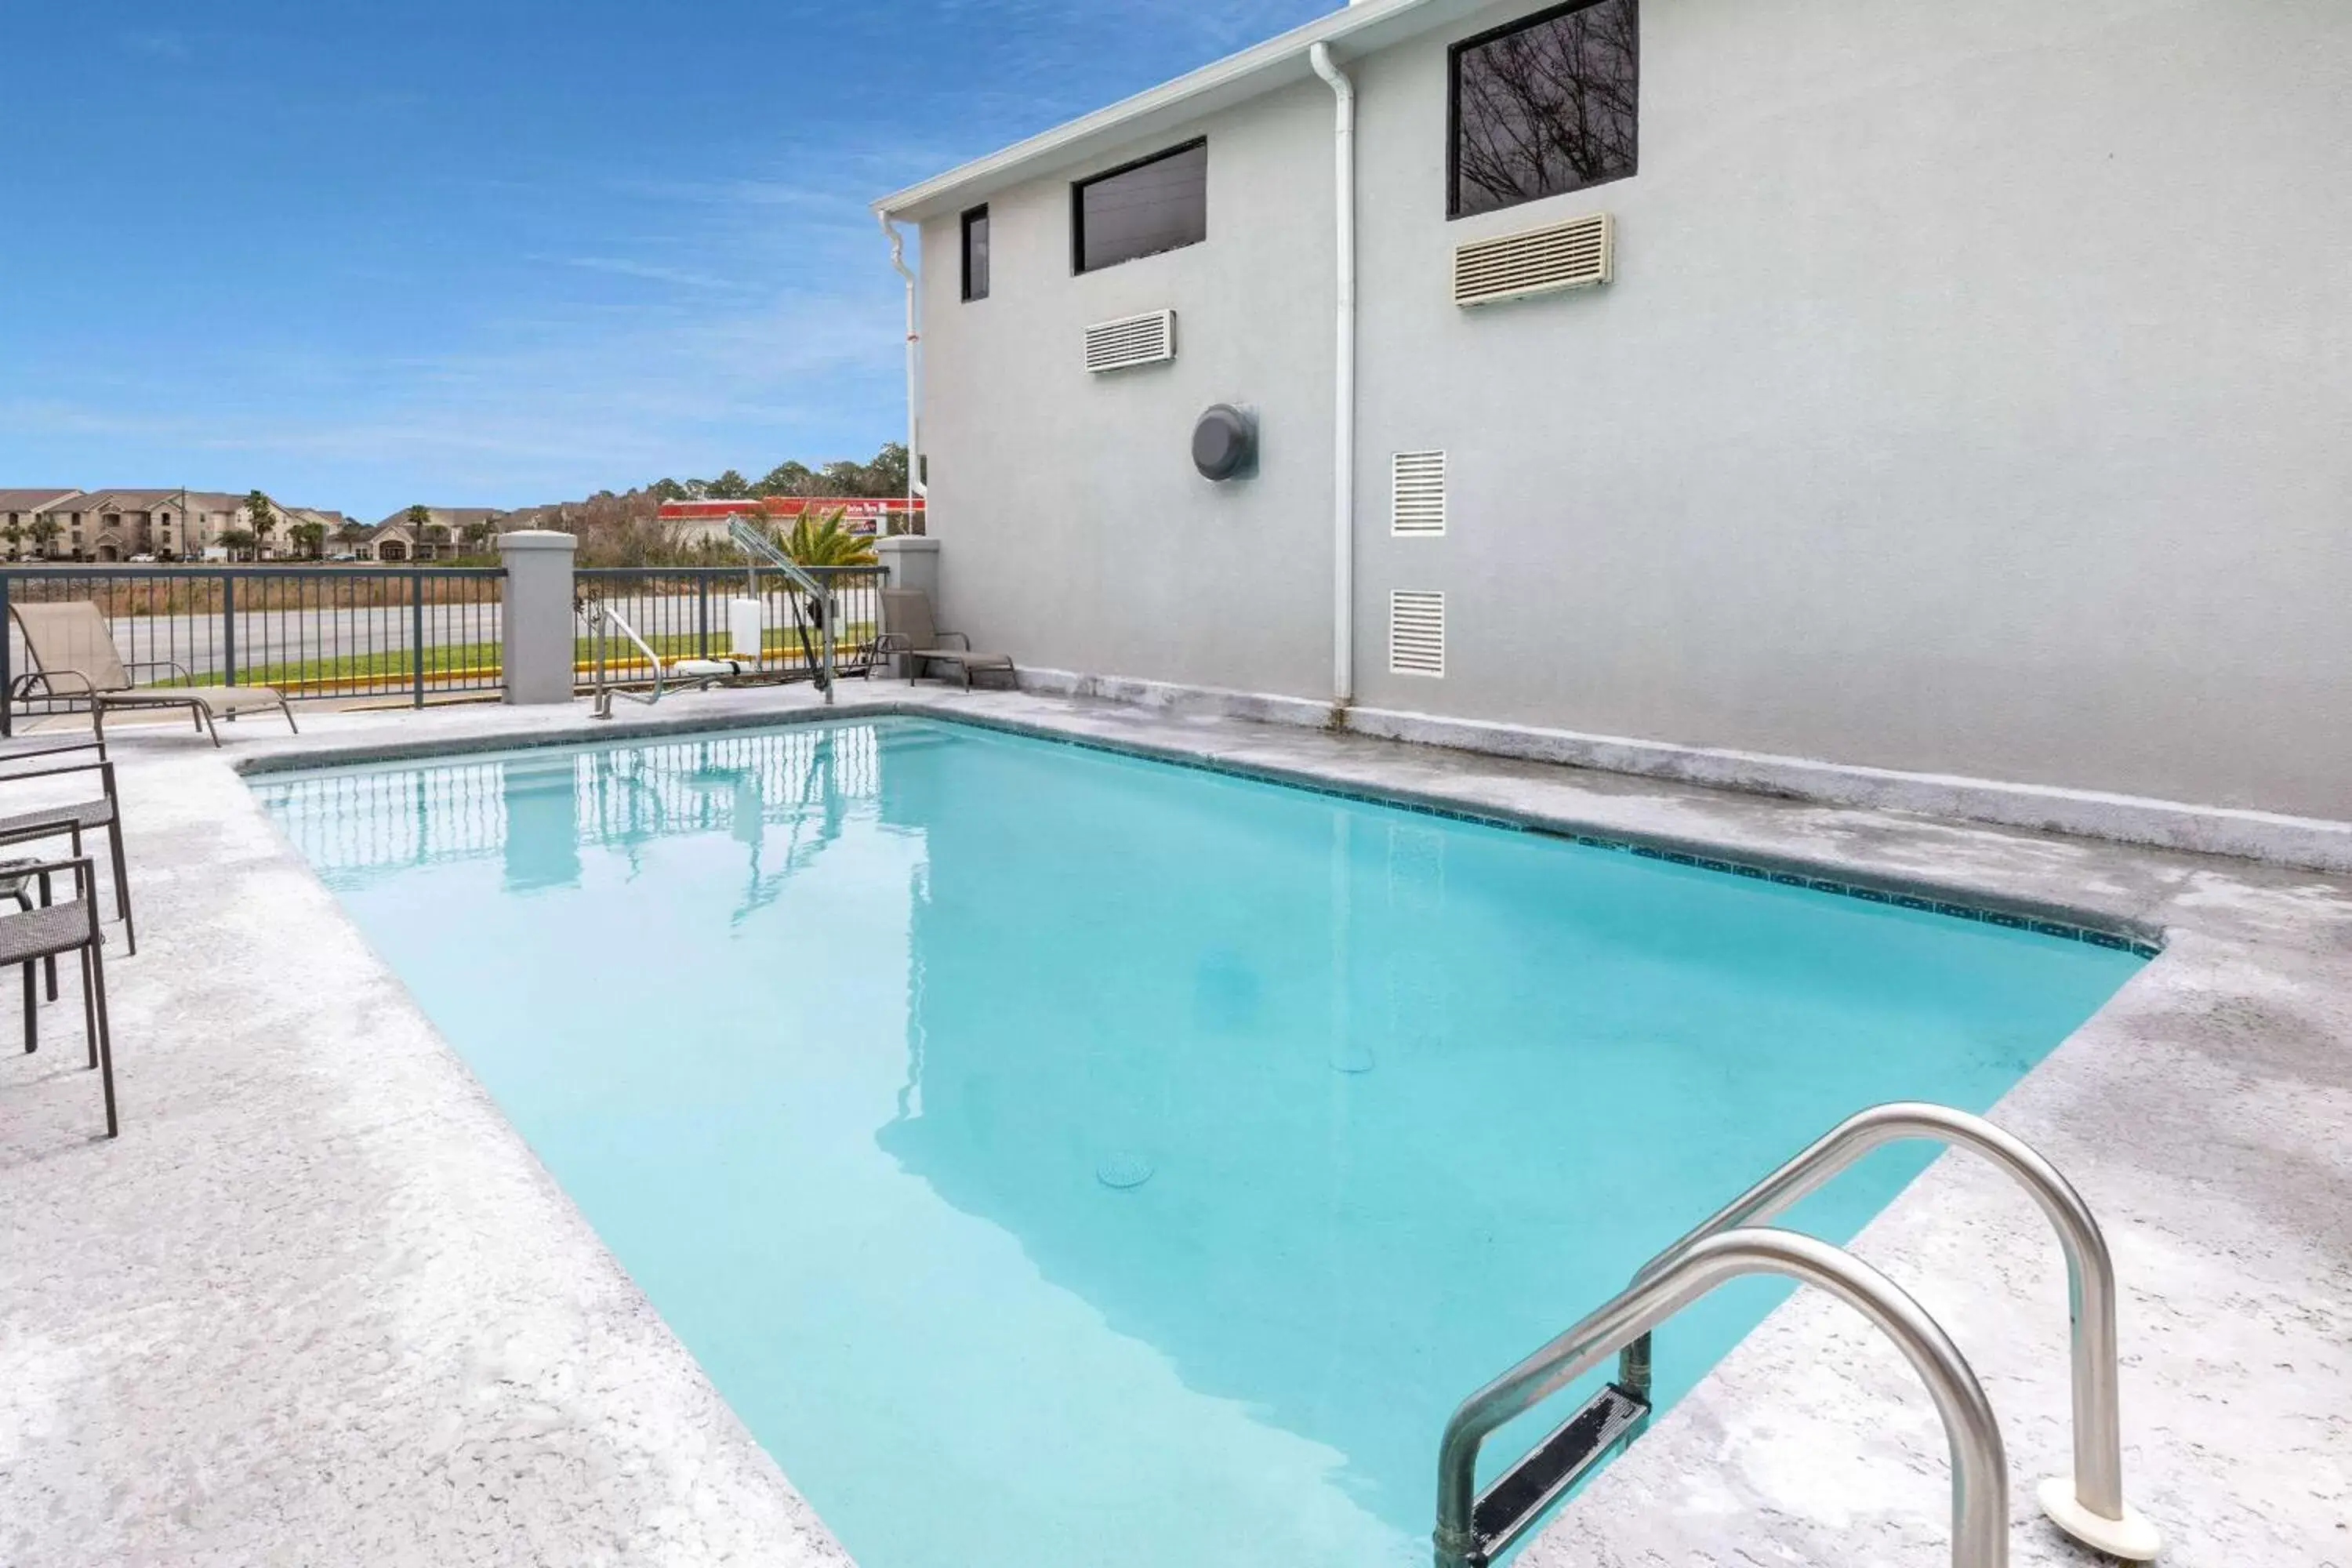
<point x="2210" y="1198"/>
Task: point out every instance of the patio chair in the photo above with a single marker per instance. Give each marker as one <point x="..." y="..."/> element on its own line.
<point x="51" y="744"/>
<point x="70" y="820"/>
<point x="17" y="880"/>
<point x="45" y="934"/>
<point x="73" y="655"/>
<point x="908" y="632"/>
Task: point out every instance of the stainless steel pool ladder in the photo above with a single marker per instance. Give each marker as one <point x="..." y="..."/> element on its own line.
<point x="1475" y="1527"/>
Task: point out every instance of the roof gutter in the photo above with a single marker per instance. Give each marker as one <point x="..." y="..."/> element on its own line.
<point x="1343" y="378"/>
<point x="1361" y="28"/>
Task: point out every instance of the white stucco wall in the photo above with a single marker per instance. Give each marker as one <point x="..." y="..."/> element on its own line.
<point x="1079" y="534"/>
<point x="1975" y="396"/>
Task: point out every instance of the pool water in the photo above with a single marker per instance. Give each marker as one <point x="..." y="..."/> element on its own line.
<point x="1063" y="1158"/>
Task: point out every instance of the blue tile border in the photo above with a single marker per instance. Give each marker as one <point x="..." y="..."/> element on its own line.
<point x="1371" y="796"/>
<point x="1368" y="794"/>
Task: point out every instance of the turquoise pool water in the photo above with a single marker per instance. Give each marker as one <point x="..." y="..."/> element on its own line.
<point x="1061" y="1158"/>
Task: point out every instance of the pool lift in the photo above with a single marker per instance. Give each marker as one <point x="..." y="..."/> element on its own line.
<point x="745" y="624"/>
<point x="1476" y="1526"/>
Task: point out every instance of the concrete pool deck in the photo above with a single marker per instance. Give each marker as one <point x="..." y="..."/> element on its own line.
<point x="320" y="1303"/>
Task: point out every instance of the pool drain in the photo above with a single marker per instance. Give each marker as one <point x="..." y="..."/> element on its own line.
<point x="1123" y="1171"/>
<point x="1350" y="1056"/>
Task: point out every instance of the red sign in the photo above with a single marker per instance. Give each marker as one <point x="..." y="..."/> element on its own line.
<point x="860" y="513"/>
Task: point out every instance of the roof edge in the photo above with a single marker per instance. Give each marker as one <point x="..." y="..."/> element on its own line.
<point x="1355" y="30"/>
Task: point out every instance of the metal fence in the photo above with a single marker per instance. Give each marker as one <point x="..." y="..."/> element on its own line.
<point x="417" y="632"/>
<point x="683" y="612"/>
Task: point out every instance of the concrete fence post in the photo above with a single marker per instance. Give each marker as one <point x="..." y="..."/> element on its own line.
<point x="537" y="622"/>
<point x="910" y="560"/>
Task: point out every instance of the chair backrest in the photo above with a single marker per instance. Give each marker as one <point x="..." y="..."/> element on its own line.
<point x="907" y="612"/>
<point x="70" y="635"/>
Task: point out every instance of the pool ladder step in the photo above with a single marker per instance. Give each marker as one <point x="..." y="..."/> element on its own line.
<point x="1475" y="1528"/>
<point x="1574" y="1448"/>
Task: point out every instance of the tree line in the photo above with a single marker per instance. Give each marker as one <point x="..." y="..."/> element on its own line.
<point x="615" y="527"/>
<point x="625" y="529"/>
<point x="885" y="474"/>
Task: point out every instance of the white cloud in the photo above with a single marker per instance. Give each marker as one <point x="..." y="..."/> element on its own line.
<point x="727" y="322"/>
<point x="651" y="272"/>
<point x="162" y="46"/>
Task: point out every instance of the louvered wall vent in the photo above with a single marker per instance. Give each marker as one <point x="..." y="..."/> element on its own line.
<point x="1577" y="254"/>
<point x="1416" y="632"/>
<point x="1417" y="493"/>
<point x="1147" y="339"/>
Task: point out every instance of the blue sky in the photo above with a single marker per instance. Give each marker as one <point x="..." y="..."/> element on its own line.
<point x="488" y="253"/>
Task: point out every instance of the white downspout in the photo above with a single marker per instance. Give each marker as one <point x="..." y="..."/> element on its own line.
<point x="914" y="396"/>
<point x="1343" y="392"/>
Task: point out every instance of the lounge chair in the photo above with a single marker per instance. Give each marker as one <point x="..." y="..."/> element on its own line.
<point x="908" y="633"/>
<point x="74" y="656"/>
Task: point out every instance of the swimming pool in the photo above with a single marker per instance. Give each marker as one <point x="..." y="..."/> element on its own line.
<point x="1060" y="1157"/>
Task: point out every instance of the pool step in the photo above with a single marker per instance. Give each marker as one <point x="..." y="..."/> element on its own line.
<point x="1554" y="1464"/>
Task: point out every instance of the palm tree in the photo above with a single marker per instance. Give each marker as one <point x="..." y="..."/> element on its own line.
<point x="350" y="533"/>
<point x="822" y="540"/>
<point x="260" y="519"/>
<point x="45" y="536"/>
<point x="311" y="538"/>
<point x="817" y="541"/>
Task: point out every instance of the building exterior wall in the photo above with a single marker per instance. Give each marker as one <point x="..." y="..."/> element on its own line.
<point x="1972" y="398"/>
<point x="1079" y="534"/>
<point x="142" y="526"/>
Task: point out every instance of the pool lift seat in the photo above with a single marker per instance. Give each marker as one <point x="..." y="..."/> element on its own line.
<point x="1475" y="1528"/>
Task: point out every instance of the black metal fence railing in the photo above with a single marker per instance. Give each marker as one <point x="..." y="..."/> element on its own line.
<point x="417" y="632"/>
<point x="409" y="631"/>
<point x="686" y="612"/>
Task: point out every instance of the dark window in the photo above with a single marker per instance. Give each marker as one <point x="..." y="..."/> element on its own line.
<point x="1142" y="209"/>
<point x="1543" y="106"/>
<point x="975" y="254"/>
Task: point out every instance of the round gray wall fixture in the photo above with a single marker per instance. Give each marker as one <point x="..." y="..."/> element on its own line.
<point x="1224" y="442"/>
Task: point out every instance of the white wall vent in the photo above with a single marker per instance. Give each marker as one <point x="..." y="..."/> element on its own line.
<point x="1416" y="632"/>
<point x="1417" y="493"/>
<point x="1577" y="254"/>
<point x="1147" y="339"/>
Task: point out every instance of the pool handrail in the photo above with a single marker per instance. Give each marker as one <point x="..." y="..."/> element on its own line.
<point x="599" y="615"/>
<point x="2097" y="1486"/>
<point x="1979" y="1467"/>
